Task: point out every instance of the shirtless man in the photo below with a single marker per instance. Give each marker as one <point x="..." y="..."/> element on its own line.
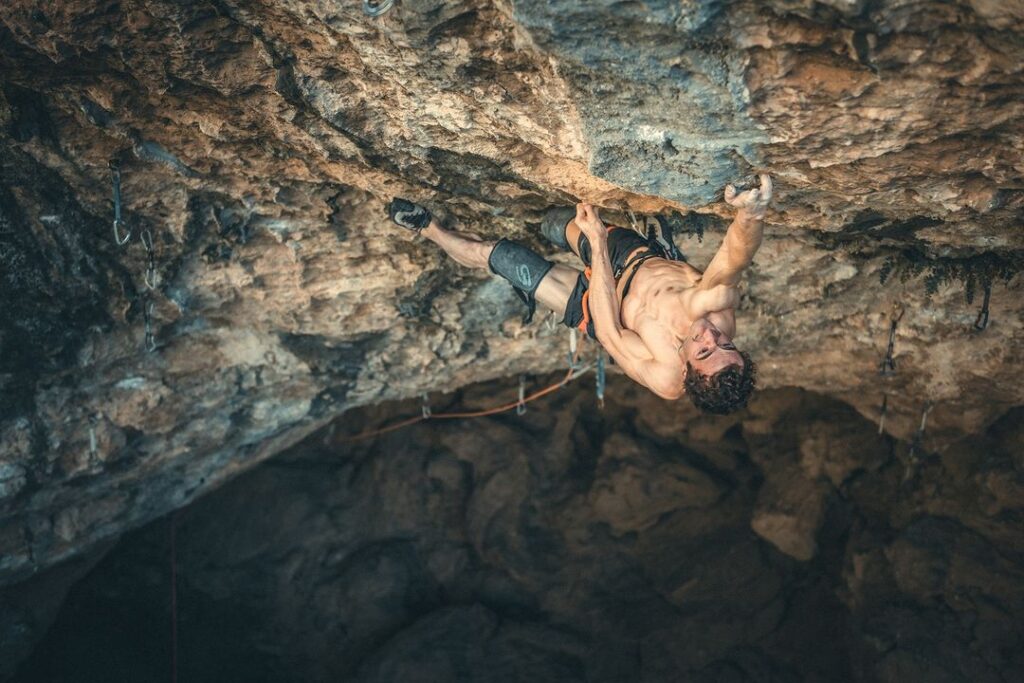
<point x="667" y="325"/>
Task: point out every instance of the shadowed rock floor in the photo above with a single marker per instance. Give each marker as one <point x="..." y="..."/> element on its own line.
<point x="787" y="543"/>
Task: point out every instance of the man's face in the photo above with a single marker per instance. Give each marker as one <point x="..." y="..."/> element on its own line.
<point x="708" y="349"/>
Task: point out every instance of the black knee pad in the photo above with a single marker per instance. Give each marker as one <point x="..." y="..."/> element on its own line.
<point x="521" y="266"/>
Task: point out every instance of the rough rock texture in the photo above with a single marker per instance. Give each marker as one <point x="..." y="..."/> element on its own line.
<point x="576" y="545"/>
<point x="258" y="140"/>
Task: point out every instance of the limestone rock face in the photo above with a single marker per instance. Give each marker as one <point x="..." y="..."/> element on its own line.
<point x="257" y="143"/>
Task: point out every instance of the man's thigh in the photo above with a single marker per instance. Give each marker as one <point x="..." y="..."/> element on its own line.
<point x="556" y="287"/>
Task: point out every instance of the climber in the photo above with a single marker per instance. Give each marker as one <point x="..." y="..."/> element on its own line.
<point x="667" y="325"/>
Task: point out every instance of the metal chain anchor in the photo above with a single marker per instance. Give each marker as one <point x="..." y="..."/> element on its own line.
<point x="151" y="277"/>
<point x="147" y="321"/>
<point x="981" y="322"/>
<point x="888" y="364"/>
<point x="115" y="176"/>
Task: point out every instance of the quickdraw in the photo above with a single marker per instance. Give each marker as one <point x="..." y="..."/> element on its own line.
<point x="917" y="443"/>
<point x="600" y="379"/>
<point x="521" y="405"/>
<point x="425" y="406"/>
<point x="981" y="322"/>
<point x="93" y="421"/>
<point x="115" y="176"/>
<point x="150" y="276"/>
<point x="635" y="224"/>
<point x="376" y="8"/>
<point x="573" y="350"/>
<point x="888" y="364"/>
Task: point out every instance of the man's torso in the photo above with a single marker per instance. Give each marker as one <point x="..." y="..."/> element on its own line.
<point x="664" y="299"/>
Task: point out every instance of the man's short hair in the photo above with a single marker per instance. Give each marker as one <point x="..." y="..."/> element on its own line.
<point x="725" y="391"/>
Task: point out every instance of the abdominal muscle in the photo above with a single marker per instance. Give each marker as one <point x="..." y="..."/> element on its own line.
<point x="654" y="295"/>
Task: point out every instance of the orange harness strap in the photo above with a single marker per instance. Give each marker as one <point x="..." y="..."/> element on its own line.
<point x="585" y="303"/>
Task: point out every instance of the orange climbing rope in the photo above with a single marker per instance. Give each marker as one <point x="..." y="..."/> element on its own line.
<point x="569" y="376"/>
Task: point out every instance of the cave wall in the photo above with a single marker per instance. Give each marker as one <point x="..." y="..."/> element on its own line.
<point x="258" y="141"/>
<point x="638" y="542"/>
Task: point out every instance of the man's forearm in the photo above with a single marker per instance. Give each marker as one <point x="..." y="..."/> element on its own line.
<point x="745" y="235"/>
<point x="604" y="304"/>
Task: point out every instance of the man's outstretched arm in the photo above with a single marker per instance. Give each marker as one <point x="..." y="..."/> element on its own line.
<point x="625" y="346"/>
<point x="743" y="238"/>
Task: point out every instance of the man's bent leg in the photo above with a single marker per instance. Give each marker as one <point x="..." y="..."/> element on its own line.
<point x="556" y="287"/>
<point x="467" y="250"/>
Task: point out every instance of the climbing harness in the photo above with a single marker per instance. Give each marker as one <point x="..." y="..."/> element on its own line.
<point x="521" y="406"/>
<point x="376" y="8"/>
<point x="115" y="175"/>
<point x="600" y="380"/>
<point x="888" y="365"/>
<point x="882" y="413"/>
<point x="150" y="277"/>
<point x="981" y="322"/>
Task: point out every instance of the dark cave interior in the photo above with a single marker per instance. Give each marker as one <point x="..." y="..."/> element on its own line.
<point x="572" y="544"/>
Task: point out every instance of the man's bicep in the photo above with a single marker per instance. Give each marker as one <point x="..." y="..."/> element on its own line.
<point x="635" y="358"/>
<point x="627" y="348"/>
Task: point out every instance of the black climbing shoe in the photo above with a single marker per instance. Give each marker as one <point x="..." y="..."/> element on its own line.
<point x="553" y="225"/>
<point x="410" y="216"/>
<point x="660" y="230"/>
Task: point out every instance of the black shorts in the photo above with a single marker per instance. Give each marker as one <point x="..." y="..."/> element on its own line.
<point x="621" y="243"/>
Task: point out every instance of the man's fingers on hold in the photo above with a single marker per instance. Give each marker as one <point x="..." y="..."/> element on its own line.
<point x="766" y="184"/>
<point x="730" y="193"/>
